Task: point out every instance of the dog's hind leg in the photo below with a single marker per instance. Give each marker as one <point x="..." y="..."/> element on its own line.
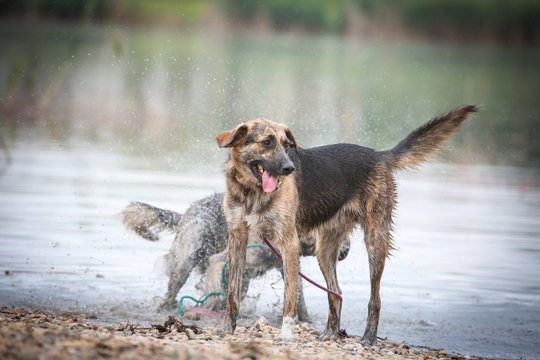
<point x="215" y="281"/>
<point x="327" y="256"/>
<point x="177" y="279"/>
<point x="301" y="308"/>
<point x="187" y="252"/>
<point x="377" y="225"/>
<point x="377" y="248"/>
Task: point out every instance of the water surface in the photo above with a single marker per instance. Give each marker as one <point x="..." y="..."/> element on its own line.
<point x="464" y="275"/>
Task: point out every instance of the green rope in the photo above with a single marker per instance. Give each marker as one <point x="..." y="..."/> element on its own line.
<point x="181" y="306"/>
<point x="181" y="302"/>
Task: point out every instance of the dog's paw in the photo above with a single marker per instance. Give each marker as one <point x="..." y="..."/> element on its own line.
<point x="328" y="335"/>
<point x="167" y="306"/>
<point x="303" y="315"/>
<point x="228" y="326"/>
<point x="287" y="329"/>
<point x="368" y="340"/>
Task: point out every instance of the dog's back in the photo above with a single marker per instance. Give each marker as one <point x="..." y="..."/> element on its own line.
<point x="328" y="177"/>
<point x="325" y="185"/>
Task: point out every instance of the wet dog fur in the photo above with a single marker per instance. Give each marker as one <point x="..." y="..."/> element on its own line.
<point x="201" y="243"/>
<point x="284" y="192"/>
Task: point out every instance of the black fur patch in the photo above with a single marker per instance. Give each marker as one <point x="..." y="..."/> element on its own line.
<point x="328" y="177"/>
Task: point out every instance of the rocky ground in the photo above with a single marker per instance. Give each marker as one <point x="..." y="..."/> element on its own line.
<point x="39" y="335"/>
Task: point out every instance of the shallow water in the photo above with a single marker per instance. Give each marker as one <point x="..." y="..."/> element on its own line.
<point x="464" y="276"/>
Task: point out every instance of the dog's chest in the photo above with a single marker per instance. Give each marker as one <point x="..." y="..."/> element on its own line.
<point x="264" y="224"/>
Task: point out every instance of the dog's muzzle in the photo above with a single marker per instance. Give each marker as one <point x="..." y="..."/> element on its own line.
<point x="287" y="169"/>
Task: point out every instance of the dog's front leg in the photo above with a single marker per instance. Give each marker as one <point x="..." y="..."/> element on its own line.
<point x="289" y="248"/>
<point x="238" y="239"/>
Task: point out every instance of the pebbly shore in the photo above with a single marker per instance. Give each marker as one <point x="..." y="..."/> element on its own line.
<point x="26" y="334"/>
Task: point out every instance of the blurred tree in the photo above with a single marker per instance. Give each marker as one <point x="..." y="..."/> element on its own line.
<point x="63" y="9"/>
<point x="285" y="14"/>
<point x="503" y="20"/>
<point x="516" y="21"/>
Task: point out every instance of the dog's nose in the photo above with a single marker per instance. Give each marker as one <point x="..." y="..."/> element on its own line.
<point x="287" y="169"/>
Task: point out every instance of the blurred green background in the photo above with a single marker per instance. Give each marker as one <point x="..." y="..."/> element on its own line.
<point x="500" y="20"/>
<point x="162" y="77"/>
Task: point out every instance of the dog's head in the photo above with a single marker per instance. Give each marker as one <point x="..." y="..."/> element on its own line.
<point x="259" y="152"/>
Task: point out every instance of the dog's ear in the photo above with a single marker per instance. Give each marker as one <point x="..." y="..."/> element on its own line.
<point x="290" y="136"/>
<point x="228" y="138"/>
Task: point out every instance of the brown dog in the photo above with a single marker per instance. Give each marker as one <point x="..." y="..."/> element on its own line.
<point x="283" y="191"/>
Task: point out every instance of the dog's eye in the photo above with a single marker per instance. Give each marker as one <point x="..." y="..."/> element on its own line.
<point x="287" y="146"/>
<point x="267" y="142"/>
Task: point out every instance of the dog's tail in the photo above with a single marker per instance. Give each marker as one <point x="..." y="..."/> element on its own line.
<point x="148" y="221"/>
<point x="415" y="148"/>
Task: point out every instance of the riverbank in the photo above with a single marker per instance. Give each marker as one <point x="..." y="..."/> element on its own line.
<point x="36" y="334"/>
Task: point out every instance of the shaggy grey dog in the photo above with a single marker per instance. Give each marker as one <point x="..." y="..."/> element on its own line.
<point x="201" y="242"/>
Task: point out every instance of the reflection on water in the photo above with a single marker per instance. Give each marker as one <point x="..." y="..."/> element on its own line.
<point x="168" y="91"/>
<point x="94" y="121"/>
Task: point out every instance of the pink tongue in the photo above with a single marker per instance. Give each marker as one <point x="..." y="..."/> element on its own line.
<point x="269" y="181"/>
